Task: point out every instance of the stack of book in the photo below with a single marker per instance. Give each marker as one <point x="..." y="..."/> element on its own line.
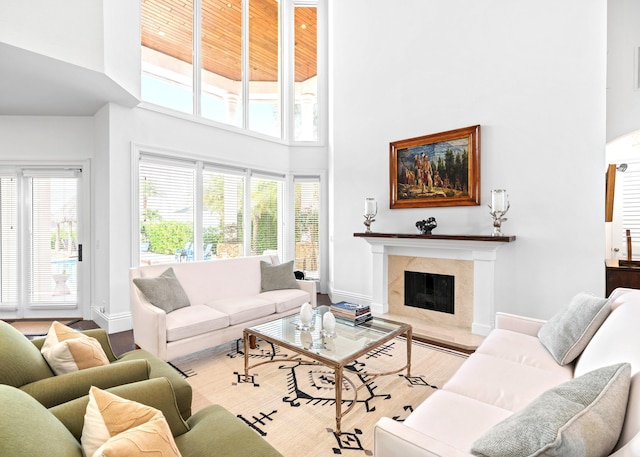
<point x="351" y="313"/>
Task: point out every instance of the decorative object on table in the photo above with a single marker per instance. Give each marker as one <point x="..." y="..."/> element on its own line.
<point x="328" y="324"/>
<point x="423" y="170"/>
<point x="306" y="339"/>
<point x="427" y="225"/>
<point x="370" y="211"/>
<point x="499" y="207"/>
<point x="306" y="316"/>
<point x="351" y="313"/>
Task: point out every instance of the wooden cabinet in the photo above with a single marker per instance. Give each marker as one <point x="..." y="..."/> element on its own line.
<point x="621" y="276"/>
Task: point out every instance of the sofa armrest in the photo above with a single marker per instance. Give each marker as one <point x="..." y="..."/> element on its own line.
<point x="69" y="386"/>
<point x="309" y="286"/>
<point x="156" y="393"/>
<point x="149" y="322"/>
<point x="97" y="333"/>
<point x="520" y="324"/>
<point x="392" y="438"/>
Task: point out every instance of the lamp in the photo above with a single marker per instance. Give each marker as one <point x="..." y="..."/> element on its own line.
<point x="499" y="207"/>
<point x="370" y="211"/>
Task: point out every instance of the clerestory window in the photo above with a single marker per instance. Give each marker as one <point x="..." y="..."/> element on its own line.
<point x="251" y="64"/>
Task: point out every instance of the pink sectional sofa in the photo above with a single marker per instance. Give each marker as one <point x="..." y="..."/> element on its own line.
<point x="225" y="297"/>
<point x="511" y="369"/>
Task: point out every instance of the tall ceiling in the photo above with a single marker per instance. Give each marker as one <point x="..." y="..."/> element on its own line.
<point x="167" y="28"/>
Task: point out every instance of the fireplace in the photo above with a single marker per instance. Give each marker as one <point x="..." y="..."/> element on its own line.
<point x="429" y="291"/>
<point x="471" y="259"/>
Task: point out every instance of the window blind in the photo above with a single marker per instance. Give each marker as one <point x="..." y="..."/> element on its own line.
<point x="9" y="240"/>
<point x="167" y="202"/>
<point x="306" y="211"/>
<point x="266" y="216"/>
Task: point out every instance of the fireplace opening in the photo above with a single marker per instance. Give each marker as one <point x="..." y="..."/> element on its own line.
<point x="429" y="291"/>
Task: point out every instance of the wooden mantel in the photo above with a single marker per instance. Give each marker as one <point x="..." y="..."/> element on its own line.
<point x="499" y="239"/>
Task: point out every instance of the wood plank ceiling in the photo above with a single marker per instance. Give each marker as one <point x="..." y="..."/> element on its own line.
<point x="167" y="28"/>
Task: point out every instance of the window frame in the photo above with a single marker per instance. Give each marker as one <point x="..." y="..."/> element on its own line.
<point x="287" y="100"/>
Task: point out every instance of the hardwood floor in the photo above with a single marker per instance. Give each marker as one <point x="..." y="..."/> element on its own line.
<point x="451" y="338"/>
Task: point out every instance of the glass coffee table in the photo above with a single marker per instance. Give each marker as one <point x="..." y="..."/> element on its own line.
<point x="333" y="351"/>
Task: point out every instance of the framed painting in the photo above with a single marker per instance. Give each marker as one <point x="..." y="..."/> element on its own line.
<point x="442" y="169"/>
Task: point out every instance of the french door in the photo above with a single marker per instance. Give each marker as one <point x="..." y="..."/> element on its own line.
<point x="40" y="245"/>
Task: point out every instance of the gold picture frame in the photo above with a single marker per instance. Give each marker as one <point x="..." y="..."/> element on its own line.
<point x="441" y="169"/>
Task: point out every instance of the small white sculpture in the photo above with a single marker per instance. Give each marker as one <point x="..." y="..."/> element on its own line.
<point x="306" y="315"/>
<point x="329" y="323"/>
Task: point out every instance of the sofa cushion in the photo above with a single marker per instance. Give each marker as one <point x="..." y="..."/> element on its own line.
<point x="22" y="362"/>
<point x="520" y="348"/>
<point x="67" y="350"/>
<point x="286" y="299"/>
<point x="563" y="420"/>
<point x="109" y="416"/>
<point x="194" y="320"/>
<point x="454" y="419"/>
<point x="503" y="383"/>
<point x="243" y="308"/>
<point x="164" y="291"/>
<point x="28" y="429"/>
<point x="568" y="332"/>
<point x="275" y="277"/>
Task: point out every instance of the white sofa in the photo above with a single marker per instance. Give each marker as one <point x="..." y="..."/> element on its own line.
<point x="225" y="297"/>
<point x="509" y="370"/>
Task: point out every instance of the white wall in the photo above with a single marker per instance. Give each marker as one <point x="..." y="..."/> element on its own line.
<point x="73" y="34"/>
<point x="623" y="91"/>
<point x="532" y="75"/>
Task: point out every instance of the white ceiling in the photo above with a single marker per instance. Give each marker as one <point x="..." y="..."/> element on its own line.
<point x="34" y="84"/>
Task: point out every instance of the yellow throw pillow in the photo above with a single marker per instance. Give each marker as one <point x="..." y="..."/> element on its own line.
<point x="67" y="350"/>
<point x="114" y="426"/>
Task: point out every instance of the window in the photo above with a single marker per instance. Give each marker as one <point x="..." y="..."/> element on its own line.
<point x="266" y="216"/>
<point x="192" y="210"/>
<point x="306" y="214"/>
<point x="223" y="194"/>
<point x="167" y="197"/>
<point x="224" y="61"/>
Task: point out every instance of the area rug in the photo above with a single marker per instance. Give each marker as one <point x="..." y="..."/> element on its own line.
<point x="292" y="404"/>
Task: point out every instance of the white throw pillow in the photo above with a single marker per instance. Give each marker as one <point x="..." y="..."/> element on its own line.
<point x="114" y="427"/>
<point x="67" y="350"/>
<point x="579" y="418"/>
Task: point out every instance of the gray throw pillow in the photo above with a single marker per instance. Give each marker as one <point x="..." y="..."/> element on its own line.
<point x="582" y="417"/>
<point x="164" y="291"/>
<point x="567" y="333"/>
<point x="275" y="277"/>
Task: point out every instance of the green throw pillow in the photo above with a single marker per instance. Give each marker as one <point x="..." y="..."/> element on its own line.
<point x="165" y="291"/>
<point x="275" y="277"/>
<point x="579" y="418"/>
<point x="567" y="333"/>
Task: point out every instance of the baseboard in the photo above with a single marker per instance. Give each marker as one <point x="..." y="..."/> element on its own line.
<point x="112" y="323"/>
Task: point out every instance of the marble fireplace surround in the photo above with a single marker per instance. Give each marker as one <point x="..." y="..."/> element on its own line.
<point x="471" y="259"/>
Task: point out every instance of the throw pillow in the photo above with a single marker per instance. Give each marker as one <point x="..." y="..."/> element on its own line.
<point x="114" y="426"/>
<point x="67" y="350"/>
<point x="165" y="291"/>
<point x="567" y="333"/>
<point x="275" y="277"/>
<point x="581" y="417"/>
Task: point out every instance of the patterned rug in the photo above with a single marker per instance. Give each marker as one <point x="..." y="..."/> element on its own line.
<point x="292" y="404"/>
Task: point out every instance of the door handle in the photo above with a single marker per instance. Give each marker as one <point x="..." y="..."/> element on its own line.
<point x="80" y="252"/>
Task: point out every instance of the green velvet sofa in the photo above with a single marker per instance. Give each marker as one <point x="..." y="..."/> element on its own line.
<point x="23" y="366"/>
<point x="29" y="429"/>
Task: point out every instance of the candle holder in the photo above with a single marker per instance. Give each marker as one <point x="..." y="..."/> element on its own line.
<point x="370" y="211"/>
<point x="499" y="207"/>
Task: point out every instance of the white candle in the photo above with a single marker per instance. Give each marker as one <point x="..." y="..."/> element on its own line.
<point x="370" y="206"/>
<point x="499" y="200"/>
